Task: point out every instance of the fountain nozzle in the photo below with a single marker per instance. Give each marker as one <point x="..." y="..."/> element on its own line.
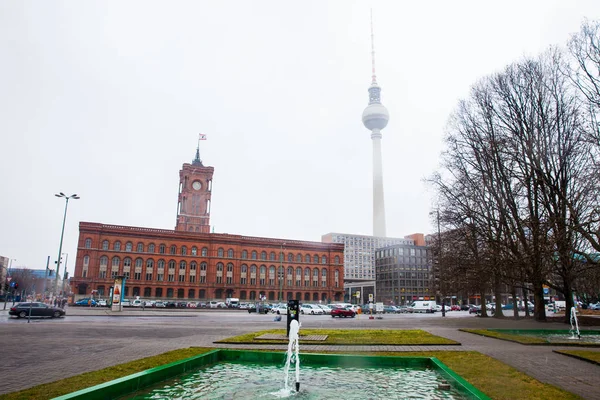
<point x="297" y="386"/>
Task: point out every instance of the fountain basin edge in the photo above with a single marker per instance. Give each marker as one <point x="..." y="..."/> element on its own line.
<point x="140" y="380"/>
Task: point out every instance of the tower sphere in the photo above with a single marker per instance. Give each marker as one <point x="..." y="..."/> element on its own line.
<point x="375" y="116"/>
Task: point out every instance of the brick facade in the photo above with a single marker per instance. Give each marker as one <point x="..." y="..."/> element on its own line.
<point x="205" y="266"/>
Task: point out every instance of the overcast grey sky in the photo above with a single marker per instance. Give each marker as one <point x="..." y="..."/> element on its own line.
<point x="106" y="100"/>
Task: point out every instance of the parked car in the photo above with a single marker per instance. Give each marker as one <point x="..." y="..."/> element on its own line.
<point x="390" y="310"/>
<point x="593" y="306"/>
<point x="35" y="309"/>
<point x="311" y="309"/>
<point x="192" y="304"/>
<point x="401" y="309"/>
<point x="464" y="307"/>
<point x="160" y="304"/>
<point x="102" y="303"/>
<point x="326" y="309"/>
<point x="455" y="307"/>
<point x="126" y="303"/>
<point x="136" y="303"/>
<point x="279" y="309"/>
<point x="342" y="312"/>
<point x="473" y="309"/>
<point x="262" y="308"/>
<point x="86" y="302"/>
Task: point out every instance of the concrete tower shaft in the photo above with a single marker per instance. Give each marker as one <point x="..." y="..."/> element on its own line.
<point x="375" y="117"/>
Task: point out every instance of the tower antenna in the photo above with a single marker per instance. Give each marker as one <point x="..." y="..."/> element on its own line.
<point x="373" y="76"/>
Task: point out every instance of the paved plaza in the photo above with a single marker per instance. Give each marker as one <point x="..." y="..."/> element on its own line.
<point x="46" y="350"/>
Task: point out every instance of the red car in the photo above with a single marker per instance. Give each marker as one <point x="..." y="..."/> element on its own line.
<point x="342" y="312"/>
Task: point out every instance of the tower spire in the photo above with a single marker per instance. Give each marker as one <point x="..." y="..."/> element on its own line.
<point x="197" y="160"/>
<point x="373" y="75"/>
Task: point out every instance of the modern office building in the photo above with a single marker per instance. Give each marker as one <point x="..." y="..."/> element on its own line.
<point x="404" y="272"/>
<point x="191" y="263"/>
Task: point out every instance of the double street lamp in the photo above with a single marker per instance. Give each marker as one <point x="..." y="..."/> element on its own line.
<point x="62" y="233"/>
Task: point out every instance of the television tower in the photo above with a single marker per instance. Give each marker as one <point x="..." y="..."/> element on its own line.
<point x="375" y="118"/>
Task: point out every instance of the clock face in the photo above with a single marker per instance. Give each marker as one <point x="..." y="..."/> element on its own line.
<point x="197" y="185"/>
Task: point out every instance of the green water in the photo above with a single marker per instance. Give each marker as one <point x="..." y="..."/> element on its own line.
<point x="232" y="380"/>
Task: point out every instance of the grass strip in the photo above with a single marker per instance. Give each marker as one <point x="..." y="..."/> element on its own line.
<point x="584" y="355"/>
<point x="88" y="379"/>
<point x="526" y="339"/>
<point x="350" y="337"/>
<point x="522" y="339"/>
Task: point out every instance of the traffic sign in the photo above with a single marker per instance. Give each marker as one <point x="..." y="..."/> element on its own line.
<point x="8" y="278"/>
<point x="370" y="296"/>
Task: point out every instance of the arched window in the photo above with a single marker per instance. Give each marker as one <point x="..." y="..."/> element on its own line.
<point x="86" y="261"/>
<point x="128" y="246"/>
<point x="324" y="273"/>
<point x="103" y="261"/>
<point x="263" y="255"/>
<point x="140" y="247"/>
<point x="161" y="264"/>
<point x="116" y="261"/>
<point x="290" y="257"/>
<point x="204" y="251"/>
<point x="306" y="273"/>
<point x="272" y="271"/>
<point x="171" y="264"/>
<point x="162" y="248"/>
<point x="139" y="262"/>
<point x="254" y="254"/>
<point x="180" y="293"/>
<point x="220" y="252"/>
<point x="149" y="263"/>
<point x="272" y="256"/>
<point x="117" y="246"/>
<point x="323" y="259"/>
<point x="263" y="269"/>
<point x="88" y="243"/>
<point x="170" y="292"/>
<point x="191" y="293"/>
<point x="298" y="257"/>
<point x="290" y="271"/>
<point x="220" y="267"/>
<point x="307" y="258"/>
<point x="315" y="273"/>
<point x="194" y="251"/>
<point x="306" y="296"/>
<point x="173" y="249"/>
<point x="298" y="272"/>
<point x="336" y="260"/>
<point x="230" y="253"/>
<point x="105" y="245"/>
<point x="253" y="269"/>
<point x="127" y="262"/>
<point x="244" y="254"/>
<point x="182" y="265"/>
<point x="151" y="248"/>
<point x="316" y="259"/>
<point x="230" y="267"/>
<point x="244" y="268"/>
<point x="183" y="251"/>
<point x="203" y="266"/>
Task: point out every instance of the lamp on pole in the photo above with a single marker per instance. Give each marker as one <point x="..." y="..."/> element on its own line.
<point x="62" y="233"/>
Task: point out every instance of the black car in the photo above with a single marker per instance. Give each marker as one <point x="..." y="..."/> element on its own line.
<point x="262" y="308"/>
<point x="22" y="310"/>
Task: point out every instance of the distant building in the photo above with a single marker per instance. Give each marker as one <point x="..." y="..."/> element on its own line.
<point x="404" y="272"/>
<point x="3" y="272"/>
<point x="190" y="263"/>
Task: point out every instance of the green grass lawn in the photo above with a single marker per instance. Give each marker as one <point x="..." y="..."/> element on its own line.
<point x="585" y="355"/>
<point x="396" y="337"/>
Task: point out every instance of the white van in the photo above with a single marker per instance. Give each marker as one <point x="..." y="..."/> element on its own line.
<point x="428" y="306"/>
<point x="232" y="302"/>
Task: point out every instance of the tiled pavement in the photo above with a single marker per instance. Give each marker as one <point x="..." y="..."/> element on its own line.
<point x="45" y="351"/>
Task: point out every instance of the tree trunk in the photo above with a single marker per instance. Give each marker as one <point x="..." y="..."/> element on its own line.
<point x="513" y="292"/>
<point x="498" y="313"/>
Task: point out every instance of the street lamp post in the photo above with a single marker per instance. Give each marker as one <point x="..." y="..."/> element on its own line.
<point x="62" y="233"/>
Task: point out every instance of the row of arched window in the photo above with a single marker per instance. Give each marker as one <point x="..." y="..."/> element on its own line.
<point x="253" y="274"/>
<point x="183" y="250"/>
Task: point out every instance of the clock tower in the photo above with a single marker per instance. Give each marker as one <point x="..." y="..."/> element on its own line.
<point x="193" y="205"/>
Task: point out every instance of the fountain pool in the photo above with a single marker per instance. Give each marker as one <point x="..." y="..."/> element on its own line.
<point x="236" y="374"/>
